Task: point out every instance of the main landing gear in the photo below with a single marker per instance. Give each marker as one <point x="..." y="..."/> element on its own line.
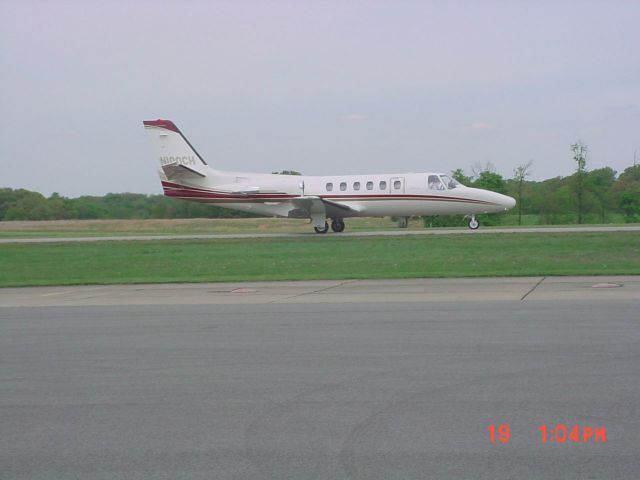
<point x="337" y="225"/>
<point x="473" y="223"/>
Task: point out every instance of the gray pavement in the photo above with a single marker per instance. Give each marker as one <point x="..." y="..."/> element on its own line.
<point x="330" y="291"/>
<point x="385" y="233"/>
<point x="324" y="380"/>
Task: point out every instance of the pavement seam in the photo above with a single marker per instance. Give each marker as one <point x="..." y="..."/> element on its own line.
<point x="533" y="288"/>
<point x="345" y="282"/>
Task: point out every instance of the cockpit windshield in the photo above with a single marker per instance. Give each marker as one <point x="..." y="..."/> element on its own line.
<point x="451" y="183"/>
<point x="434" y="183"/>
<point x="442" y="182"/>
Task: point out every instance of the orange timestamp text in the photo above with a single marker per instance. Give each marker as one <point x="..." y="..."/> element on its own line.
<point x="558" y="433"/>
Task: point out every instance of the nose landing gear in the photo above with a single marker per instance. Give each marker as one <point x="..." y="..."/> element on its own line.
<point x="473" y="223"/>
<point x="324" y="229"/>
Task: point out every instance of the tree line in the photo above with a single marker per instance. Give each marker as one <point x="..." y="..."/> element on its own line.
<point x="587" y="196"/>
<point x="23" y="204"/>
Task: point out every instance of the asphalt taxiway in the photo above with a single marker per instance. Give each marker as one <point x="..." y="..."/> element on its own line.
<point x="383" y="233"/>
<point x="341" y="380"/>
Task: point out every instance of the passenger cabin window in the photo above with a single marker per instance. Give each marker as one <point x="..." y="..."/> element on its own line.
<point x="369" y="185"/>
<point x="356" y="185"/>
<point x="329" y="187"/>
<point x="343" y="186"/>
<point x="397" y="184"/>
<point x="435" y="183"/>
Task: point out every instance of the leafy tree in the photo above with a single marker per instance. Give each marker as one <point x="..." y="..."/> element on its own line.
<point x="89" y="208"/>
<point x="460" y="176"/>
<point x="630" y="174"/>
<point x="7" y="197"/>
<point x="626" y="193"/>
<point x="489" y="180"/>
<point x="551" y="199"/>
<point x="599" y="183"/>
<point x="561" y="205"/>
<point x="630" y="205"/>
<point x="25" y="205"/>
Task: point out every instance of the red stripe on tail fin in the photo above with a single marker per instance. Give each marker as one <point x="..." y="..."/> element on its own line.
<point x="168" y="124"/>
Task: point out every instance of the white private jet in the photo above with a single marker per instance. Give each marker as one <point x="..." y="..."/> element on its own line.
<point x="184" y="174"/>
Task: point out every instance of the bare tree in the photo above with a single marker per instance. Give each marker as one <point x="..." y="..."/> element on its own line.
<point x="579" y="150"/>
<point x="477" y="168"/>
<point x="520" y="173"/>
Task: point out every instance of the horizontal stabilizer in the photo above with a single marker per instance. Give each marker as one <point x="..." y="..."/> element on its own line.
<point x="239" y="189"/>
<point x="253" y="190"/>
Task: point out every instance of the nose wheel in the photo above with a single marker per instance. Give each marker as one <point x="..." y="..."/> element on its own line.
<point x="473" y="223"/>
<point x="324" y="229"/>
<point x="337" y="225"/>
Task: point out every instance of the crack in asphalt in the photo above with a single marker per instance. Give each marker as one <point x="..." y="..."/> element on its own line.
<point x="533" y="288"/>
<point x="324" y="289"/>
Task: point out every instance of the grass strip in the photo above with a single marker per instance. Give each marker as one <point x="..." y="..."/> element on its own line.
<point x="320" y="257"/>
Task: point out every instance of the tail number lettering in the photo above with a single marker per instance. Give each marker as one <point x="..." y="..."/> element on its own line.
<point x="190" y="160"/>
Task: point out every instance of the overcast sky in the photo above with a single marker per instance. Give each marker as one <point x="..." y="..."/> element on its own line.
<point x="319" y="87"/>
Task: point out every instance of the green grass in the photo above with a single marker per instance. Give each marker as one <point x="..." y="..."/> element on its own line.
<point x="106" y="228"/>
<point x="326" y="257"/>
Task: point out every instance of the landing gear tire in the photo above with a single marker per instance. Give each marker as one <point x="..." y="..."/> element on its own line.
<point x="337" y="225"/>
<point x="324" y="229"/>
<point x="473" y="223"/>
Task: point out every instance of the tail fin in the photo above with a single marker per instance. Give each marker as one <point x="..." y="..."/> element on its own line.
<point x="175" y="155"/>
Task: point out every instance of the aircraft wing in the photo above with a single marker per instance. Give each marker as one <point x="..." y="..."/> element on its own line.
<point x="339" y="206"/>
<point x="312" y="206"/>
<point x="178" y="171"/>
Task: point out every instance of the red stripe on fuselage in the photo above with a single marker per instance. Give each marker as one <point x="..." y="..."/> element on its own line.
<point x="183" y="191"/>
<point x="403" y="197"/>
